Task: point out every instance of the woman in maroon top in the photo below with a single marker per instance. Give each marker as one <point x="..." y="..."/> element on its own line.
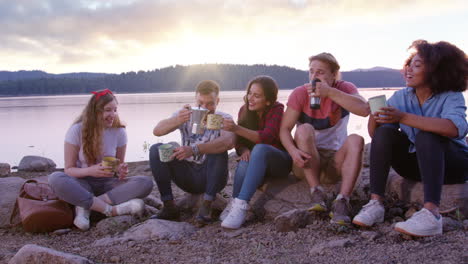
<point x="259" y="147"/>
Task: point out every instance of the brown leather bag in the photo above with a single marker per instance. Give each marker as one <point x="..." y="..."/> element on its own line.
<point x="40" y="210"/>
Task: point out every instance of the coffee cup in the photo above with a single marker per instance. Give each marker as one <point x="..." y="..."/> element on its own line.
<point x="214" y="122"/>
<point x="196" y="119"/>
<point x="165" y="152"/>
<point x="110" y="162"/>
<point x="377" y="102"/>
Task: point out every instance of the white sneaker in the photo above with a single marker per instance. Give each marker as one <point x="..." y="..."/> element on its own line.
<point x="422" y="223"/>
<point x="133" y="207"/>
<point x="226" y="210"/>
<point x="371" y="213"/>
<point x="236" y="216"/>
<point x="81" y="218"/>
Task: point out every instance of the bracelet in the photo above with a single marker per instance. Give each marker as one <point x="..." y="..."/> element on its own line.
<point x="195" y="150"/>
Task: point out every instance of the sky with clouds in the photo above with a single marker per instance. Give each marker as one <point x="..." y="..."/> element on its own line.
<point x="116" y="36"/>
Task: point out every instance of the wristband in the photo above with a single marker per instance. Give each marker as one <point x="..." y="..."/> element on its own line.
<point x="195" y="150"/>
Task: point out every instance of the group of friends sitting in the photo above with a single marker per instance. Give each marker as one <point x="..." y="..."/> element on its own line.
<point x="420" y="133"/>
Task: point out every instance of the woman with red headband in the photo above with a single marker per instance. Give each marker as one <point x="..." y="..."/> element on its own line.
<point x="87" y="183"/>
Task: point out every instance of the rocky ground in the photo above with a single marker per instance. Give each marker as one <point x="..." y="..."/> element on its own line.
<point x="258" y="242"/>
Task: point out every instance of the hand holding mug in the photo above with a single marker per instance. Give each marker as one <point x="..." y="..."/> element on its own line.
<point x="182" y="152"/>
<point x="388" y="115"/>
<point x="122" y="171"/>
<point x="229" y="125"/>
<point x="184" y="114"/>
<point x="100" y="171"/>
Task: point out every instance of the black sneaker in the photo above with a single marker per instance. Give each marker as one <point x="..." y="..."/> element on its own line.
<point x="340" y="212"/>
<point x="167" y="213"/>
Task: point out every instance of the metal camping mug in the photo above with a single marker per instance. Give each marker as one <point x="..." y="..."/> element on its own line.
<point x="196" y="119"/>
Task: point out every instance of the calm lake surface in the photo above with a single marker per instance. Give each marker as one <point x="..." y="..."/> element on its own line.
<point x="37" y="125"/>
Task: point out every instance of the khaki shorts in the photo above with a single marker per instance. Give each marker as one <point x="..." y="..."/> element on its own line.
<point x="329" y="174"/>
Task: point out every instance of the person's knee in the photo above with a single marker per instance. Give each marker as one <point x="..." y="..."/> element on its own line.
<point x="57" y="179"/>
<point x="355" y="142"/>
<point x="154" y="152"/>
<point x="145" y="185"/>
<point x="260" y="151"/>
<point x="424" y="138"/>
<point x="304" y="132"/>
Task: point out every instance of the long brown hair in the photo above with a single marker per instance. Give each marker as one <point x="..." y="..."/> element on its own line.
<point x="249" y="119"/>
<point x="92" y="125"/>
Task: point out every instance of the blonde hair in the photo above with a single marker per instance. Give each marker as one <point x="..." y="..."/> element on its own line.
<point x="207" y="87"/>
<point x="329" y="59"/>
<point x="92" y="126"/>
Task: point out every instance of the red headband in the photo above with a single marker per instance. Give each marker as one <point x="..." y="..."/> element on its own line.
<point x="101" y="93"/>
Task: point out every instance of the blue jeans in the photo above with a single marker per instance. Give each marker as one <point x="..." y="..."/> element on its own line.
<point x="265" y="161"/>
<point x="210" y="177"/>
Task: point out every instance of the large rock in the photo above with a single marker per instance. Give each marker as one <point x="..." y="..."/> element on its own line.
<point x="4" y="169"/>
<point x="36" y="163"/>
<point x="453" y="195"/>
<point x="10" y="188"/>
<point x="117" y="224"/>
<point x="31" y="253"/>
<point x="293" y="220"/>
<point x="149" y="230"/>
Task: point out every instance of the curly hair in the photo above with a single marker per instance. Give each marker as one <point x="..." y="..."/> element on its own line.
<point x="93" y="127"/>
<point x="248" y="118"/>
<point x="446" y="66"/>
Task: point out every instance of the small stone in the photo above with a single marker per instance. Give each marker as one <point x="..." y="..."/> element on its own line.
<point x="114" y="259"/>
<point x="60" y="232"/>
<point x="370" y="235"/>
<point x="232" y="234"/>
<point x="450" y="224"/>
<point x="317" y="250"/>
<point x="4" y="169"/>
<point x="465" y="224"/>
<point x="398" y="219"/>
<point x="131" y="243"/>
<point x="410" y="212"/>
<point x="395" y="211"/>
<point x="340" y="243"/>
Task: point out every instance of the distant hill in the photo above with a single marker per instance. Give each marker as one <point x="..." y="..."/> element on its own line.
<point x="177" y="78"/>
<point x="377" y="68"/>
<point x="23" y="75"/>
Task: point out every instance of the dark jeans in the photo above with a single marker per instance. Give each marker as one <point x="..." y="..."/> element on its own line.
<point x="210" y="177"/>
<point x="265" y="161"/>
<point x="437" y="161"/>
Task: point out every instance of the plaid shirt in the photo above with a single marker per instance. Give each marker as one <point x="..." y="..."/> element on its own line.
<point x="268" y="126"/>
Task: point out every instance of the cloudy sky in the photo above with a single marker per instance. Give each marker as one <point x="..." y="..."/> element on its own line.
<point x="129" y="35"/>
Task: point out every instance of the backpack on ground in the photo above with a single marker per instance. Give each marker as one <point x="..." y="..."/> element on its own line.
<point x="40" y="210"/>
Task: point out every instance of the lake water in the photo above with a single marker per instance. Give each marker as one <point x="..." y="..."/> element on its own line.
<point x="37" y="125"/>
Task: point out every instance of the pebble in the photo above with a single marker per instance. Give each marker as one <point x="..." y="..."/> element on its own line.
<point x="410" y="212"/>
<point x="114" y="259"/>
<point x="465" y="224"/>
<point x="450" y="224"/>
<point x="131" y="243"/>
<point x="370" y="235"/>
<point x="395" y="211"/>
<point x="340" y="243"/>
<point x="232" y="234"/>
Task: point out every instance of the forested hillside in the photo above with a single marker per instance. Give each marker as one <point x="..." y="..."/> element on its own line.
<point x="176" y="78"/>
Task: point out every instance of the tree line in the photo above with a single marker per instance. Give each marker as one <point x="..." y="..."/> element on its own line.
<point x="175" y="79"/>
